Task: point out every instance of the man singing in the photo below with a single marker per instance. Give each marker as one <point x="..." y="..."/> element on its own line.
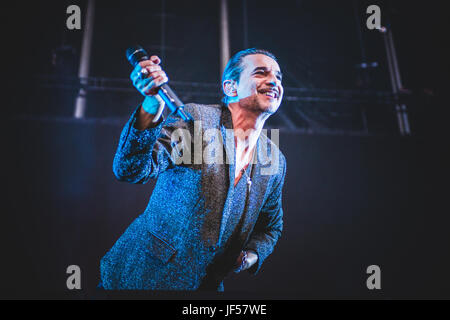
<point x="204" y="218"/>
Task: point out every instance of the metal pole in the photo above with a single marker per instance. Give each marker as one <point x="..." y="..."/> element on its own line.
<point x="393" y="82"/>
<point x="394" y="72"/>
<point x="244" y="4"/>
<point x="224" y="37"/>
<point x="163" y="30"/>
<point x="85" y="58"/>
<point x="394" y="59"/>
<point x="403" y="110"/>
<point x="359" y="32"/>
<point x="390" y="64"/>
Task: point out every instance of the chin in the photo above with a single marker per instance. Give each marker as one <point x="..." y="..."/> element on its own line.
<point x="271" y="108"/>
<point x="268" y="107"/>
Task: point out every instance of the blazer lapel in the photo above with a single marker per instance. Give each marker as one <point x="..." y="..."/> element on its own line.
<point x="260" y="185"/>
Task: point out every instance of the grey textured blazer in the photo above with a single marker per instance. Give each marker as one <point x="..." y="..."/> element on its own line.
<point x="196" y="222"/>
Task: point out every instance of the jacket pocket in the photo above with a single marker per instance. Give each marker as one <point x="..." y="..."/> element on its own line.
<point x="159" y="248"/>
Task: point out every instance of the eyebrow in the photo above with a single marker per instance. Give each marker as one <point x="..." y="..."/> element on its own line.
<point x="265" y="70"/>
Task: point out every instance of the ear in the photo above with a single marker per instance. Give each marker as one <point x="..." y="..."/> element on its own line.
<point x="229" y="88"/>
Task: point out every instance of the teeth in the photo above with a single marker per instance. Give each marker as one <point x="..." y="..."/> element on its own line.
<point x="270" y="94"/>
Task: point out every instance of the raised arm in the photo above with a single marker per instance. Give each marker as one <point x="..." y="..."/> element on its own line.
<point x="145" y="146"/>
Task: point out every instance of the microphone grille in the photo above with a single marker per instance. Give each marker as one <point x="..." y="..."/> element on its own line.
<point x="135" y="54"/>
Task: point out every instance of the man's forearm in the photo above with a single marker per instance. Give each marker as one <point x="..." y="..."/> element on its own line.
<point x="145" y="120"/>
<point x="149" y="114"/>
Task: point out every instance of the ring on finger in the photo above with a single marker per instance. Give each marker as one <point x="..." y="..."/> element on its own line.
<point x="143" y="73"/>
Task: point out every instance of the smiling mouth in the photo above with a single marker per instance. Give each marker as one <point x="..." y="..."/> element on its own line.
<point x="272" y="94"/>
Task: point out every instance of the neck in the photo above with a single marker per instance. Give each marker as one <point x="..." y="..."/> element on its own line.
<point x="247" y="126"/>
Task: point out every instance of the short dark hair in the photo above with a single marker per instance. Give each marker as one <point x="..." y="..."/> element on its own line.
<point x="234" y="66"/>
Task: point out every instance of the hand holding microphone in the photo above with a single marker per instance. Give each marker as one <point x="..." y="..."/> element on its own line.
<point x="147" y="76"/>
<point x="150" y="80"/>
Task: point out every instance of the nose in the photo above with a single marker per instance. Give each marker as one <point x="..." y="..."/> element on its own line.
<point x="272" y="80"/>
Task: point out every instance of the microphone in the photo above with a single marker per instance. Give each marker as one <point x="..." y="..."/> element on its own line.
<point x="137" y="54"/>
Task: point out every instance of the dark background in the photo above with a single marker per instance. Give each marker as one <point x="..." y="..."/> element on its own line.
<point x="350" y="200"/>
